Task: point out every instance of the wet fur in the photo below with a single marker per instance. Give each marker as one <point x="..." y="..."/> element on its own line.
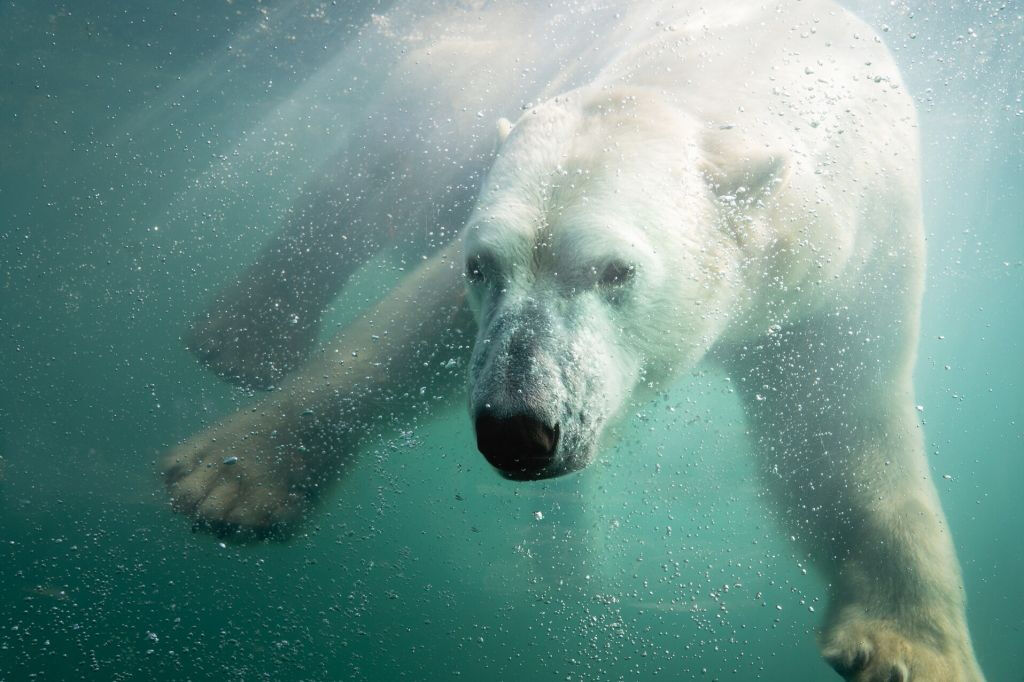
<point x="766" y="200"/>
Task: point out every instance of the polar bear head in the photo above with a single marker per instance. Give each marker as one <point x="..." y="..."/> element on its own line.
<point x="590" y="273"/>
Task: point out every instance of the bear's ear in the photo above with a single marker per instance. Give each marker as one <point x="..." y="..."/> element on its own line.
<point x="738" y="172"/>
<point x="504" y="129"/>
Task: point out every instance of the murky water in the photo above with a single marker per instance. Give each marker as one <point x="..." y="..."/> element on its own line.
<point x="145" y="154"/>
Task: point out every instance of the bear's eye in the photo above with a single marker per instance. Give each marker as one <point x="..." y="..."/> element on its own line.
<point x="475" y="269"/>
<point x="616" y="274"/>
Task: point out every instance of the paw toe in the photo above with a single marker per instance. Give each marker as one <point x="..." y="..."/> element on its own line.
<point x="220" y="499"/>
<point x="898" y="673"/>
<point x="174" y="469"/>
<point x="850" y="660"/>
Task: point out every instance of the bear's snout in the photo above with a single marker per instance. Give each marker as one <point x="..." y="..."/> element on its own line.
<point x="520" y="446"/>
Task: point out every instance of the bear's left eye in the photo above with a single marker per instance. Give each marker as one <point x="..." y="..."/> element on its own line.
<point x="616" y="274"/>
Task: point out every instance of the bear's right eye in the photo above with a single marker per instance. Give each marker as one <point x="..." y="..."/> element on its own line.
<point x="475" y="269"/>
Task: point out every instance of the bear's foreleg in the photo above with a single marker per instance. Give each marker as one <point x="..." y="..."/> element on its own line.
<point x="259" y="470"/>
<point x="833" y="420"/>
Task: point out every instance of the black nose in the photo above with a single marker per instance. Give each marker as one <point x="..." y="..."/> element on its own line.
<point x="519" y="445"/>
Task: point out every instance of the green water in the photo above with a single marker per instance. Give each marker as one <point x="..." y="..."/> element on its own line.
<point x="146" y="151"/>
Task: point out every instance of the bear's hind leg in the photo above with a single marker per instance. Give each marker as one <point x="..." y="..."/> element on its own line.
<point x="259" y="327"/>
<point x="263" y="325"/>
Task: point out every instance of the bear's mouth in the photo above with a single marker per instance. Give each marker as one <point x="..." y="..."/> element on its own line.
<point x="555" y="470"/>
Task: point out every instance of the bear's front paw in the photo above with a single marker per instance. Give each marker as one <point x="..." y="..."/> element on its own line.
<point x="876" y="650"/>
<point x="241" y="479"/>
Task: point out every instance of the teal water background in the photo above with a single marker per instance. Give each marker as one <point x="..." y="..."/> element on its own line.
<point x="147" y="150"/>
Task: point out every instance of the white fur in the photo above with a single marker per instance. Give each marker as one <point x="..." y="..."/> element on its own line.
<point x="767" y="198"/>
<point x="755" y="166"/>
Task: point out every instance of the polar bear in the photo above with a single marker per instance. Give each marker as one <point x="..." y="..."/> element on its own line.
<point x="736" y="185"/>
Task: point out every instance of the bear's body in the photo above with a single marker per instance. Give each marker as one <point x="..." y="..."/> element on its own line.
<point x="737" y="184"/>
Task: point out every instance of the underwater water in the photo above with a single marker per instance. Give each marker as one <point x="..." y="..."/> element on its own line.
<point x="148" y="150"/>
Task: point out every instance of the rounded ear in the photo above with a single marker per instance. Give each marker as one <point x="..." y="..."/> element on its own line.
<point x="504" y="129"/>
<point x="738" y="171"/>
